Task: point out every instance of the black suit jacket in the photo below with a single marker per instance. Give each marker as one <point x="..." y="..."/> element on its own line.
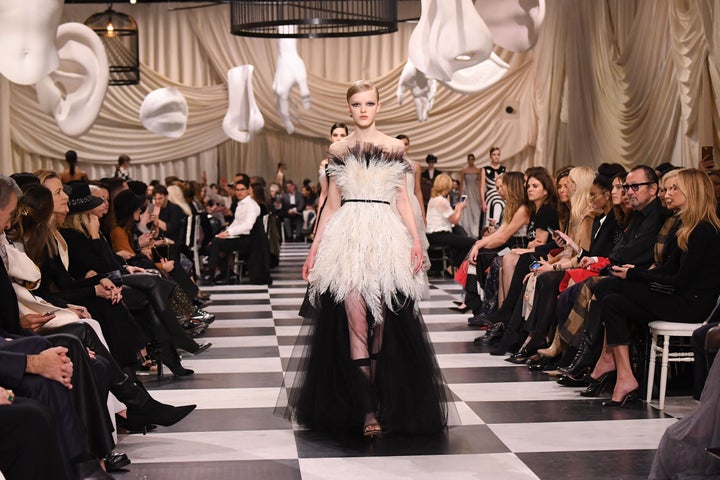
<point x="299" y="203"/>
<point x="603" y="239"/>
<point x="426" y="174"/>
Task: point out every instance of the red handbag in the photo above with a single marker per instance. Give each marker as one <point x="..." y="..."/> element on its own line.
<point x="462" y="273"/>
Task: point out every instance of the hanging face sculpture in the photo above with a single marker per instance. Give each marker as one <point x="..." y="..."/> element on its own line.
<point x="27" y="36"/>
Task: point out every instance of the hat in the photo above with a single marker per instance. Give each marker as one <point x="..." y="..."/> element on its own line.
<point x="140" y="188"/>
<point x="125" y="203"/>
<point x="81" y="199"/>
<point x="165" y="111"/>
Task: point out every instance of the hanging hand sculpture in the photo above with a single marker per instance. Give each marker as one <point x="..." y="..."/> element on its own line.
<point x="290" y="71"/>
<point x="243" y="119"/>
<point x="421" y="88"/>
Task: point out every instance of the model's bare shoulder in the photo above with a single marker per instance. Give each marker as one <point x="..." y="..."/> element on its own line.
<point x="338" y="148"/>
<point x="392" y="144"/>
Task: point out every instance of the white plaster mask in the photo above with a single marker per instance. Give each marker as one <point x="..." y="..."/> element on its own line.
<point x="74" y="93"/>
<point x="27" y="36"/>
<point x="243" y="119"/>
<point x="165" y="112"/>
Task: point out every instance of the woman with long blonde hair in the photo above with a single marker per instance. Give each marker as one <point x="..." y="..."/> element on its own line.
<point x="441" y="218"/>
<point x="683" y="289"/>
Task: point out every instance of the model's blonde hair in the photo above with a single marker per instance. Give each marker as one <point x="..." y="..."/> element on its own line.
<point x="515" y="194"/>
<point x="362" y="86"/>
<point x="441" y="186"/>
<point x="700" y="203"/>
<point x="583" y="178"/>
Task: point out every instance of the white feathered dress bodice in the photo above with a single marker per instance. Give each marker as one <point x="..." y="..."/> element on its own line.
<point x="365" y="246"/>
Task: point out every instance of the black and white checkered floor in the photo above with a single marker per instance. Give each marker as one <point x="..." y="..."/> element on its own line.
<point x="515" y="424"/>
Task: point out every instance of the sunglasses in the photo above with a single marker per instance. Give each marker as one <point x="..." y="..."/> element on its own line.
<point x="635" y="186"/>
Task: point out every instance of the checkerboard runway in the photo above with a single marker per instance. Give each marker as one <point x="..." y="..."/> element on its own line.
<point x="514" y="424"/>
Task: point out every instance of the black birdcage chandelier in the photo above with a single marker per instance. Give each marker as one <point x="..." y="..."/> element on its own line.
<point x="312" y="18"/>
<point x="119" y="34"/>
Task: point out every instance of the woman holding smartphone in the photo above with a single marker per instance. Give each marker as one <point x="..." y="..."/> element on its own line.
<point x="441" y="218"/>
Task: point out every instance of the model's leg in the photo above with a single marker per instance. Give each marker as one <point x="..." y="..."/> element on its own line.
<point x="356" y="312"/>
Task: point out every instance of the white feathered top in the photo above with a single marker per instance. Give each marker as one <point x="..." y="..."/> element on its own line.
<point x="365" y="246"/>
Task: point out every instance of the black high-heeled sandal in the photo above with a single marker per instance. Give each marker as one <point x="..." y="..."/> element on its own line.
<point x="630" y="397"/>
<point x="597" y="386"/>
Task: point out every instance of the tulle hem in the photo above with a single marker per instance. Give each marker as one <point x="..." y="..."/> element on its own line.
<point x="408" y="389"/>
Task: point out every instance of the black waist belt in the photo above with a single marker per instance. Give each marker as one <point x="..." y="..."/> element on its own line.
<point x="363" y="200"/>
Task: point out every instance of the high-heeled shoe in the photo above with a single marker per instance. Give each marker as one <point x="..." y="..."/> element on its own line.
<point x="519" y="358"/>
<point x="555" y="349"/>
<point x="458" y="302"/>
<point x="597" y="386"/>
<point x="630" y="397"/>
<point x="158" y="413"/>
<point x="201" y="348"/>
<point x="372" y="430"/>
<point x="567" y="381"/>
<point x="131" y="428"/>
<point x="169" y="356"/>
<point x="460" y="309"/>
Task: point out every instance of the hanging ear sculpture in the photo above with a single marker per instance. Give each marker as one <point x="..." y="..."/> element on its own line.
<point x="73" y="94"/>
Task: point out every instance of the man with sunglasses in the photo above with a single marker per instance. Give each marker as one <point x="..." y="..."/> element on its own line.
<point x="634" y="248"/>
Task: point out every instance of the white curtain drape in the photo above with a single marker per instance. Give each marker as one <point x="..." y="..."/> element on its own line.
<point x="628" y="81"/>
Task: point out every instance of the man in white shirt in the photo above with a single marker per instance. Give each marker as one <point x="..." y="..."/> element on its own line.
<point x="237" y="236"/>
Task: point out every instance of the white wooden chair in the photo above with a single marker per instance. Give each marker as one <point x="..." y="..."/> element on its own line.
<point x="667" y="330"/>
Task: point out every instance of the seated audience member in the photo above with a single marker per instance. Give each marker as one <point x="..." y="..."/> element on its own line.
<point x="237" y="235"/>
<point x="167" y="217"/>
<point x="27" y="432"/>
<point x="441" y="218"/>
<point x="683" y="289"/>
<point x="142" y="409"/>
<point x="642" y="244"/>
<point x="293" y="205"/>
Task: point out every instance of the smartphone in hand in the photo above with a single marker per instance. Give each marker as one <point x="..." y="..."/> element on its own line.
<point x="463" y="198"/>
<point x="50" y="312"/>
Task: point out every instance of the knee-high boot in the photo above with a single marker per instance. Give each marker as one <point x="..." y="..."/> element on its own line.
<point x="590" y="347"/>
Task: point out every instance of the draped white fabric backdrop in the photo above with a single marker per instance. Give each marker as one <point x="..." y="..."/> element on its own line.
<point x="629" y="81"/>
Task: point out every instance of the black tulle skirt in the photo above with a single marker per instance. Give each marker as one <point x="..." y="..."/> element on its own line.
<point x="329" y="393"/>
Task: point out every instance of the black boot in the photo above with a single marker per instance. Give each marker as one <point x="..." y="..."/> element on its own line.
<point x="169" y="356"/>
<point x="143" y="410"/>
<point x="589" y="350"/>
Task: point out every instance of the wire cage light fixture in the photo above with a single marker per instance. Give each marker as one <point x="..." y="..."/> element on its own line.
<point x="120" y="36"/>
<point x="312" y="18"/>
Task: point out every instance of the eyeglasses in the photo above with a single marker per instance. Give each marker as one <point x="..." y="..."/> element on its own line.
<point x="635" y="186"/>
